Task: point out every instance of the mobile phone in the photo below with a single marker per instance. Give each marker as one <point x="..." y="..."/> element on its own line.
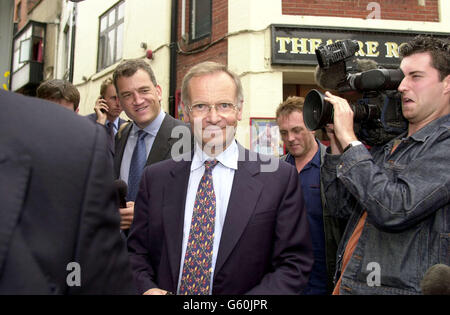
<point x="102" y="109"/>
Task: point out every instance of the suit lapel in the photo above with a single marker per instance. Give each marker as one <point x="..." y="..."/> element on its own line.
<point x="14" y="176"/>
<point x="121" y="141"/>
<point x="162" y="143"/>
<point x="243" y="198"/>
<point x="173" y="214"/>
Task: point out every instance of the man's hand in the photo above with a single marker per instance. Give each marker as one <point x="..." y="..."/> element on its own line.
<point x="155" y="291"/>
<point x="101" y="108"/>
<point x="126" y="216"/>
<point x="335" y="146"/>
<point x="342" y="119"/>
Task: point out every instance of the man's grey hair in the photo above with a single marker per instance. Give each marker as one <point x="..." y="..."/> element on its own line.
<point x="210" y="67"/>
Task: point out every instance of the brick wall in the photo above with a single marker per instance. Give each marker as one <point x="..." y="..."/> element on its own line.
<point x="31" y="4"/>
<point x="212" y="51"/>
<point x="409" y="10"/>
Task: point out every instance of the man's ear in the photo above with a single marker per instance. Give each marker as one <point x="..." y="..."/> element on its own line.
<point x="159" y="92"/>
<point x="185" y="111"/>
<point x="447" y="84"/>
<point x="239" y="113"/>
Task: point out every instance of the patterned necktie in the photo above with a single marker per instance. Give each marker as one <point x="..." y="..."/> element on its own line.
<point x="196" y="276"/>
<point x="138" y="160"/>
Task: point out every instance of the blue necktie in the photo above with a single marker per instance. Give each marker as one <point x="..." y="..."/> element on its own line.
<point x="137" y="165"/>
<point x="196" y="276"/>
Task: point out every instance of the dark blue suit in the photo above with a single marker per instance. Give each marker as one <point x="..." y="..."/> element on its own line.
<point x="265" y="246"/>
<point x="57" y="205"/>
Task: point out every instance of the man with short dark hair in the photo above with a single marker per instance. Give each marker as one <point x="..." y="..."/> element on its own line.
<point x="61" y="92"/>
<point x="148" y="139"/>
<point x="397" y="195"/>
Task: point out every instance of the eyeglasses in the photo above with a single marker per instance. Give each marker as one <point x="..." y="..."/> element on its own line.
<point x="221" y="108"/>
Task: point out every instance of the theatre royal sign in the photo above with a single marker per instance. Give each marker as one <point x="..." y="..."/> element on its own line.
<point x="296" y="45"/>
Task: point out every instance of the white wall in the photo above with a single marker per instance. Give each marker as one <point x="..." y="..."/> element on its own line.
<point x="145" y="21"/>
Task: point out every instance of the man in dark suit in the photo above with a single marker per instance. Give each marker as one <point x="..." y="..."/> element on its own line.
<point x="240" y="228"/>
<point x="107" y="108"/>
<point x="149" y="138"/>
<point x="58" y="213"/>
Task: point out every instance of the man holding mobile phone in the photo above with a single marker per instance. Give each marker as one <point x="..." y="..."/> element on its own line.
<point x="107" y="109"/>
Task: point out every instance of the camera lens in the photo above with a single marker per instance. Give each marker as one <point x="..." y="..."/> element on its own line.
<point x="316" y="111"/>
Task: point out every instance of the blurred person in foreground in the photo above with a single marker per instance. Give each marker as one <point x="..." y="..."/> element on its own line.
<point x="61" y="92"/>
<point x="58" y="218"/>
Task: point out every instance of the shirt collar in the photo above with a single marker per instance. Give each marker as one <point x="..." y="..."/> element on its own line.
<point x="227" y="158"/>
<point x="423" y="133"/>
<point x="153" y="127"/>
<point x="115" y="123"/>
<point x="314" y="161"/>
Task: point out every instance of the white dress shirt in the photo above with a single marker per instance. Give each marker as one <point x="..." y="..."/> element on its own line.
<point x="223" y="175"/>
<point x="152" y="130"/>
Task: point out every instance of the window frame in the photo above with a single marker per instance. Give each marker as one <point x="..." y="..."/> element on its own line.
<point x="192" y="25"/>
<point x="102" y="48"/>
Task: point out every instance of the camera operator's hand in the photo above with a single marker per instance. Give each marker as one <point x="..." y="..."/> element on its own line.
<point x="334" y="143"/>
<point x="343" y="119"/>
<point x="101" y="108"/>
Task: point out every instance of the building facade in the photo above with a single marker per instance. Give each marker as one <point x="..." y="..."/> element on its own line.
<point x="269" y="43"/>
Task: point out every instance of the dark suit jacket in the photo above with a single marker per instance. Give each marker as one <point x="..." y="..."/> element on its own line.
<point x="93" y="117"/>
<point x="161" y="149"/>
<point x="57" y="205"/>
<point x="265" y="246"/>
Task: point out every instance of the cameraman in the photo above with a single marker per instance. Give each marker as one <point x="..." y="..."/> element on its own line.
<point x="397" y="196"/>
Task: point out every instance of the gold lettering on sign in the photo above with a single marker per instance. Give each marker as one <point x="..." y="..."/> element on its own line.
<point x="313" y="44"/>
<point x="391" y="50"/>
<point x="361" y="49"/>
<point x="299" y="43"/>
<point x="282" y="41"/>
<point x="372" y="49"/>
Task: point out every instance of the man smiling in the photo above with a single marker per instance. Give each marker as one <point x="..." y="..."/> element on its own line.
<point x="148" y="139"/>
<point x="215" y="222"/>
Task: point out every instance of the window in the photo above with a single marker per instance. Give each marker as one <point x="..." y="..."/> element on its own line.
<point x="28" y="46"/>
<point x="111" y="36"/>
<point x="200" y="19"/>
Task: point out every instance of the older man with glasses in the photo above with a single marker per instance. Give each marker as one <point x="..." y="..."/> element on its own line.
<point x="218" y="222"/>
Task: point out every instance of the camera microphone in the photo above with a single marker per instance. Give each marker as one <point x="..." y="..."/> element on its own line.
<point x="436" y="280"/>
<point x="335" y="76"/>
<point x="331" y="78"/>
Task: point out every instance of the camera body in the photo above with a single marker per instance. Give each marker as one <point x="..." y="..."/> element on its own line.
<point x="378" y="114"/>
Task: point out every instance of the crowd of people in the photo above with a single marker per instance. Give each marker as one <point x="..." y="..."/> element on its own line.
<point x="208" y="217"/>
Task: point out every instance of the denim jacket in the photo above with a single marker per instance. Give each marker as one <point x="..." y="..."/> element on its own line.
<point x="407" y="199"/>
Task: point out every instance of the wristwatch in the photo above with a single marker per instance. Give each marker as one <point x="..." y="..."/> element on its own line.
<point x="352" y="144"/>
